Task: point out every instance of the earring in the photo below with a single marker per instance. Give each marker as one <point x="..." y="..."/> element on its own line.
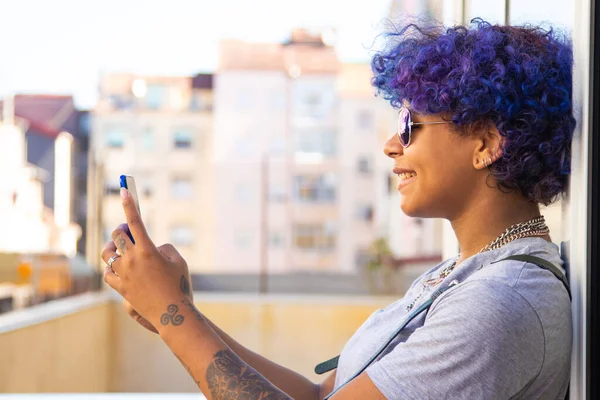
<point x="484" y="163"/>
<point x="490" y="161"/>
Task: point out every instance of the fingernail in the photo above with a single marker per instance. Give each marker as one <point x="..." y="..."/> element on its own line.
<point x="124" y="193"/>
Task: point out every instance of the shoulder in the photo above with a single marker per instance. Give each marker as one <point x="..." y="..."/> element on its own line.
<point x="482" y="337"/>
<point x="485" y="304"/>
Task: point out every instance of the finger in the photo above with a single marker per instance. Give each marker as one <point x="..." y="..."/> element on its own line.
<point x="107" y="255"/>
<point x="125" y="229"/>
<point x="134" y="220"/>
<point x="112" y="279"/>
<point x="137" y="317"/>
<point x="121" y="241"/>
<point x="109" y="250"/>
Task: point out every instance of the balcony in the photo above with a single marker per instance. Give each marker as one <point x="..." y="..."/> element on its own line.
<point x="87" y="344"/>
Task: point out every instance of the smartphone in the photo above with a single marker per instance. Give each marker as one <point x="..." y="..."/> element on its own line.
<point x="128" y="182"/>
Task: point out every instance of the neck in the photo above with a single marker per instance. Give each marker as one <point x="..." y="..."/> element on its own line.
<point x="477" y="226"/>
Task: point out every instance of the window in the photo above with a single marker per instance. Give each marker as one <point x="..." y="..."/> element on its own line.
<point x="83" y="123"/>
<point x="276" y="239"/>
<point x="147" y="139"/>
<point x="364" y="212"/>
<point x="200" y="101"/>
<point x="277" y="193"/>
<point x="315" y="189"/>
<point x="120" y="102"/>
<point x="112" y="189"/>
<point x="182" y="235"/>
<point x="243" y="240"/>
<point x="365" y="120"/>
<point x="315" y="237"/>
<point x="147" y="189"/>
<point x="182" y="138"/>
<point x="318" y="141"/>
<point x="155" y="96"/>
<point x="244" y="193"/>
<point x="314" y="104"/>
<point x="115" y="138"/>
<point x="365" y="165"/>
<point x="176" y="100"/>
<point x="276" y="146"/>
<point x="181" y="188"/>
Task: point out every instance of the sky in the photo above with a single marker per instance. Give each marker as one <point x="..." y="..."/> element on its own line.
<point x="62" y="46"/>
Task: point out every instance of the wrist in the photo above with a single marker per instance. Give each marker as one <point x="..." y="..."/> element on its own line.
<point x="177" y="316"/>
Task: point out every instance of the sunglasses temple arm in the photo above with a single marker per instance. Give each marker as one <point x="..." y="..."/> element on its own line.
<point x="430" y="123"/>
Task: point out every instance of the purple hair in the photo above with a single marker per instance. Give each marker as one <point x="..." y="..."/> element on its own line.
<point x="518" y="78"/>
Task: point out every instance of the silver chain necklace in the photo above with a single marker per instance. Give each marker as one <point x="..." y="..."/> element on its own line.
<point x="534" y="227"/>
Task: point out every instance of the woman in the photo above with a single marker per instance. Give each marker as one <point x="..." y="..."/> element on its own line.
<point x="484" y="132"/>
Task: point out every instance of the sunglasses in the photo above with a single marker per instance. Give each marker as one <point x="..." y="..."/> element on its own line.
<point x="405" y="124"/>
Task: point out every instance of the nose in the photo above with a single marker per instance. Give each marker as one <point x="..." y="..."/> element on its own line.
<point x="392" y="147"/>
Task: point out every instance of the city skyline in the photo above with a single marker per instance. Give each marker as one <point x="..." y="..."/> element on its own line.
<point x="73" y="43"/>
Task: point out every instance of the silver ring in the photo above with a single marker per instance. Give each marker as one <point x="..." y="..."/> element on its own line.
<point x="484" y="163"/>
<point x="112" y="260"/>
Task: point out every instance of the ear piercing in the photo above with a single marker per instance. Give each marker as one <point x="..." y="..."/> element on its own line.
<point x="488" y="163"/>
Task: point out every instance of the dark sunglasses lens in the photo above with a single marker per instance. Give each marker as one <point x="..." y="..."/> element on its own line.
<point x="404" y="126"/>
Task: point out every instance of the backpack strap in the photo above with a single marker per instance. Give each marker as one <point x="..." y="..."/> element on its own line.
<point x="544" y="264"/>
<point x="333" y="363"/>
<point x="327" y="366"/>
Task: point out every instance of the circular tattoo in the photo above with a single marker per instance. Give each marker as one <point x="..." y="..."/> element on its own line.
<point x="172" y="316"/>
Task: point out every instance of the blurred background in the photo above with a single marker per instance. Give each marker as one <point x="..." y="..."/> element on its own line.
<point x="256" y="143"/>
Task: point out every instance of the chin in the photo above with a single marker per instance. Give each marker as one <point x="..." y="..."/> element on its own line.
<point x="416" y="210"/>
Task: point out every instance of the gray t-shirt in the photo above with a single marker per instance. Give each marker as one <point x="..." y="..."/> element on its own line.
<point x="503" y="332"/>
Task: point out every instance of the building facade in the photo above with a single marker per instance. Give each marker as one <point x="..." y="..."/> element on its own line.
<point x="43" y="119"/>
<point x="296" y="137"/>
<point x="29" y="225"/>
<point x="159" y="130"/>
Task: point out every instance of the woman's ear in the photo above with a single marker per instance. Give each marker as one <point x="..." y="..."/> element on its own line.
<point x="488" y="148"/>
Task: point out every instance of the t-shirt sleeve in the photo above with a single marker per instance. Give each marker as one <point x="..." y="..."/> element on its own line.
<point x="480" y="340"/>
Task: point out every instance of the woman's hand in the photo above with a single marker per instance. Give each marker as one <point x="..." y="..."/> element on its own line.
<point x="135" y="315"/>
<point x="154" y="281"/>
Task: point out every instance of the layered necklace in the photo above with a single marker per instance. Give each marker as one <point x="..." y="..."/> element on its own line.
<point x="534" y="227"/>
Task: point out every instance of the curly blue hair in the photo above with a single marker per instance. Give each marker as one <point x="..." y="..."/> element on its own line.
<point x="518" y="78"/>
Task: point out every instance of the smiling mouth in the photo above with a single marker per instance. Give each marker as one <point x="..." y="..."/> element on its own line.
<point x="405" y="179"/>
<point x="406" y="175"/>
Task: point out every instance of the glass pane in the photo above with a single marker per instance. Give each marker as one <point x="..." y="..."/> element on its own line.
<point x="182" y="138"/>
<point x="182" y="236"/>
<point x="492" y="11"/>
<point x="559" y="13"/>
<point x="181" y="188"/>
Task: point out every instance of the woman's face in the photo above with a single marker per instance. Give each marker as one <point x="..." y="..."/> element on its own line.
<point x="443" y="162"/>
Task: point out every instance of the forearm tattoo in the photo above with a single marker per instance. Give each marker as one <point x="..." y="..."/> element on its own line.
<point x="193" y="309"/>
<point x="184" y="285"/>
<point x="172" y="316"/>
<point x="229" y="378"/>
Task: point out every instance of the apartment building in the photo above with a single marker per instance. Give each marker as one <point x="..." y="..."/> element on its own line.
<point x="296" y="140"/>
<point x="43" y="117"/>
<point x="29" y="225"/>
<point x="159" y="130"/>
